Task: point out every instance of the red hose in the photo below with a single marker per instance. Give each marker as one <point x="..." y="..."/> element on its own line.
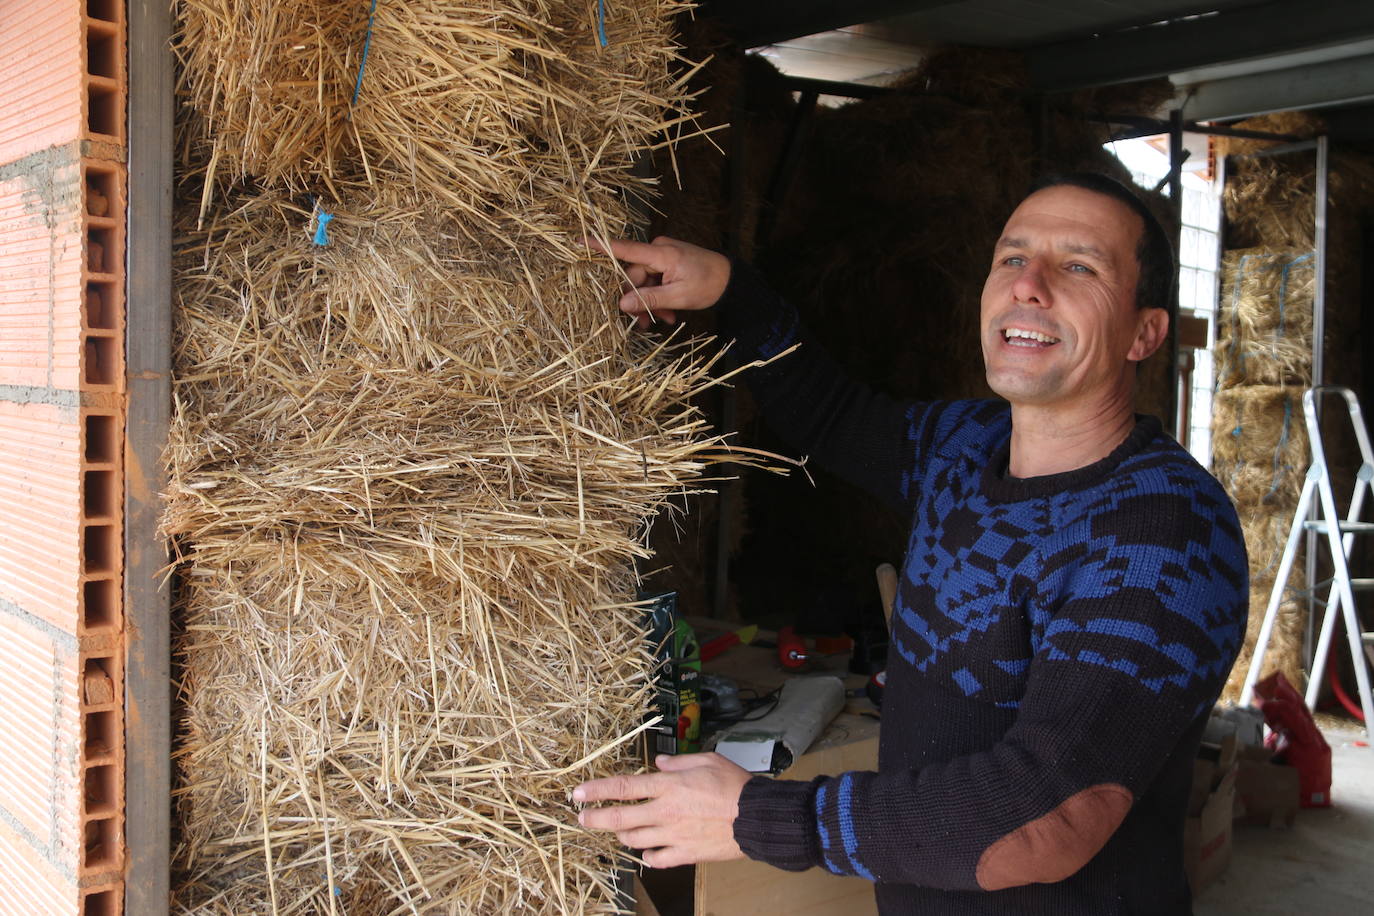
<point x="1335" y="682"/>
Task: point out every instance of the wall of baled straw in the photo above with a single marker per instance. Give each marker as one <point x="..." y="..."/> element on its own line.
<point x="1263" y="356"/>
<point x="413" y="451"/>
<point x="883" y="241"/>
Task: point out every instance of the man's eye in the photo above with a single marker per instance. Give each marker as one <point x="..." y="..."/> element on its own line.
<point x="1080" y="268"/>
<point x="1014" y="261"/>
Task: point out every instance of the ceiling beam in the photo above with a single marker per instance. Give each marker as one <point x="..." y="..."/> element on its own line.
<point x="1265" y="29"/>
<point x="762" y="22"/>
<point x="1334" y="82"/>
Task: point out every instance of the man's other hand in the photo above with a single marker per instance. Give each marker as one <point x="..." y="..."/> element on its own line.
<point x="666" y="277"/>
<point x="686" y="813"/>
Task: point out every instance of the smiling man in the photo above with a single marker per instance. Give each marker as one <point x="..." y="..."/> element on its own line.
<point x="1072" y="598"/>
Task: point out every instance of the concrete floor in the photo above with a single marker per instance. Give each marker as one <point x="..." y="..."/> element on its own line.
<point x="1323" y="865"/>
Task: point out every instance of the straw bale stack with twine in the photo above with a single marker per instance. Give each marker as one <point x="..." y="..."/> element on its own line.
<point x="413" y="451"/>
<point x="1263" y="358"/>
<point x="1264" y="347"/>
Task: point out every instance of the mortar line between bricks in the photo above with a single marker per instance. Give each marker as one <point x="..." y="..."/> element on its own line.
<point x="45" y="159"/>
<point x="61" y="639"/>
<point x="63" y="868"/>
<point x="34" y="394"/>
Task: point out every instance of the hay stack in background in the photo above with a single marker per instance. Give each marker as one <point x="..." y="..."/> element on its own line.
<point x="1259" y="438"/>
<point x="1259" y="444"/>
<point x="1264" y="346"/>
<point x="1264" y="329"/>
<point x="1259" y="453"/>
<point x="410" y="469"/>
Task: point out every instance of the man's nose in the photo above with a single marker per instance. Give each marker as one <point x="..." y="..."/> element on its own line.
<point x="1030" y="286"/>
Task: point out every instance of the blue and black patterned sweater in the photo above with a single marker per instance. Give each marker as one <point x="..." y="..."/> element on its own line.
<point x="1057" y="644"/>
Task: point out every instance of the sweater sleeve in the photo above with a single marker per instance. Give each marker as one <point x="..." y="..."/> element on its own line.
<point x="1135" y="636"/>
<point x="866" y="437"/>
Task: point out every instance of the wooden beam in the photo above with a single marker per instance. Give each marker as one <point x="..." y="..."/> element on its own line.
<point x="148" y="331"/>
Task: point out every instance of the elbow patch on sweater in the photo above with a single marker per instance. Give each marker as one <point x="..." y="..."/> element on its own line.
<point x="1056" y="845"/>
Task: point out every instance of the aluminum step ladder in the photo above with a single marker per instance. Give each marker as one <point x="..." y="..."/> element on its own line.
<point x="1339" y="533"/>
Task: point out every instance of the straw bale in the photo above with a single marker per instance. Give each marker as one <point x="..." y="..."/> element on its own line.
<point x="1267" y="290"/>
<point x="411" y="469"/>
<point x="407" y="489"/>
<point x="1284" y="652"/>
<point x="1259" y="443"/>
<point x="1271" y="360"/>
<point x="1303" y="125"/>
<point x="1265" y="528"/>
<point x="1264" y="327"/>
<point x="496" y="109"/>
<point x="1271" y="202"/>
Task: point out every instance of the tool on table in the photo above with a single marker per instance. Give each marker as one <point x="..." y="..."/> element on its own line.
<point x="721" y="701"/>
<point x="791" y="649"/>
<point x="713" y="647"/>
<point x="771" y="743"/>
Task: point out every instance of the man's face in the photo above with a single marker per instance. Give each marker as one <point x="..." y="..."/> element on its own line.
<point x="1059" y="323"/>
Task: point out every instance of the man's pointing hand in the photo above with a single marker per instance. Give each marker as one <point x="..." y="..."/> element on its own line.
<point x="667" y="277"/>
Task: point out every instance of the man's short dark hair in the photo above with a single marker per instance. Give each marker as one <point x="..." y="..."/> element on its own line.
<point x="1155" y="253"/>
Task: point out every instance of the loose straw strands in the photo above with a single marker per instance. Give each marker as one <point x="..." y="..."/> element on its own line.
<point x="410" y="470"/>
<point x="495" y="108"/>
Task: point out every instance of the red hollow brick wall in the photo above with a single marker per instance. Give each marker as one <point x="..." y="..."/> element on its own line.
<point x="63" y="91"/>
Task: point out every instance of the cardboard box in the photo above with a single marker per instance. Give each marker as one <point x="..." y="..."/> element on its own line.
<point x="1268" y="791"/>
<point x="1211" y="809"/>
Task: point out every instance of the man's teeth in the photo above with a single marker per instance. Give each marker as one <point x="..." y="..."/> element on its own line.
<point x="1030" y="335"/>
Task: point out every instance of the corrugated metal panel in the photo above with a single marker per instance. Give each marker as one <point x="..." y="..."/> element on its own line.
<point x="40" y="274"/>
<point x="42" y="102"/>
<point x="40" y="496"/>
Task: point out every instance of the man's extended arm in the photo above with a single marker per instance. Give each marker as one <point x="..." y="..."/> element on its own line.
<point x="860" y="434"/>
<point x="1121" y="672"/>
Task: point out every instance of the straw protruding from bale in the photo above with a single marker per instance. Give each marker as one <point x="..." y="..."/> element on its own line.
<point x="414" y="448"/>
<point x="496" y="110"/>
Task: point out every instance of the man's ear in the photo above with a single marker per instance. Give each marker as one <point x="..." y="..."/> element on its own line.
<point x="1151" y="329"/>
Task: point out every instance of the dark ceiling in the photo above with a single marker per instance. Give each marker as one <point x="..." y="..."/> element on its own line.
<point x="1231" y="58"/>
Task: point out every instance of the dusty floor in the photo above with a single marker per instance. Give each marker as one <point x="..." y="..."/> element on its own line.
<point x="1323" y="865"/>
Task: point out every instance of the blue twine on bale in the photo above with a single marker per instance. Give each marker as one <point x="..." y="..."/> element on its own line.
<point x="1279" y="467"/>
<point x="1283" y="289"/>
<point x="322" y="220"/>
<point x="367" y="43"/>
<point x="600" y="22"/>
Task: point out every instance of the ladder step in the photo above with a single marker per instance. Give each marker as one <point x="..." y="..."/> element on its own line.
<point x="1342" y="527"/>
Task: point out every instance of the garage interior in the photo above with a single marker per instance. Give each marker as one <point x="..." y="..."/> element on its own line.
<point x="863" y="155"/>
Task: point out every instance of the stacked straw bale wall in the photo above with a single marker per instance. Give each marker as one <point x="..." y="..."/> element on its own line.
<point x="414" y="449"/>
<point x="1263" y="355"/>
<point x="1263" y="358"/>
